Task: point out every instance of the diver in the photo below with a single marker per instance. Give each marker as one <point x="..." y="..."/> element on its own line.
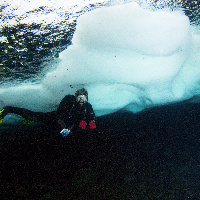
<point x="73" y="113"/>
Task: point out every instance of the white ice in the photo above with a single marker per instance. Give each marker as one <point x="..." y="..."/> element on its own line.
<point x="126" y="57"/>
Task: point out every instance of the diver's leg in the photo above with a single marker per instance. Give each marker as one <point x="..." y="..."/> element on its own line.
<point x="31" y="115"/>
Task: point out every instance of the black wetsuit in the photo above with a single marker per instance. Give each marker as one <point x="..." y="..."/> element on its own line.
<point x="69" y="111"/>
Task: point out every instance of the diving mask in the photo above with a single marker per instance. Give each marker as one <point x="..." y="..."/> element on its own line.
<point x="81" y="99"/>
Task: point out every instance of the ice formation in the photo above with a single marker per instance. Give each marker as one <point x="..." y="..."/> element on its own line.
<point x="126" y="57"/>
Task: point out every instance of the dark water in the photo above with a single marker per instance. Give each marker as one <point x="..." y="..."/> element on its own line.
<point x="151" y="155"/>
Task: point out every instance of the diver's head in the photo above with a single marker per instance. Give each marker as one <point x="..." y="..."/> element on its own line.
<point x="81" y="96"/>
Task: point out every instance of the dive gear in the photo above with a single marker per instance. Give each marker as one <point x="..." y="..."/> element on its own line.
<point x="92" y="124"/>
<point x="1" y="115"/>
<point x="81" y="91"/>
<point x="65" y="132"/>
<point x="27" y="121"/>
<point x="82" y="124"/>
<point x="81" y="99"/>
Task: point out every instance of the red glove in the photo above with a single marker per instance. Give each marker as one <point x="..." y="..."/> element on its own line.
<point x="82" y="124"/>
<point x="92" y="125"/>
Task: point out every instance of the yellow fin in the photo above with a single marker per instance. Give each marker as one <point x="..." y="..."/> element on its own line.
<point x="27" y="121"/>
<point x="1" y="111"/>
<point x="1" y="118"/>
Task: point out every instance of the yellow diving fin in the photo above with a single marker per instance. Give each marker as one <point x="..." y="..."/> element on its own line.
<point x="27" y="121"/>
<point x="1" y="112"/>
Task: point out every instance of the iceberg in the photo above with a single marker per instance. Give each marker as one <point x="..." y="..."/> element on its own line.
<point x="126" y="56"/>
